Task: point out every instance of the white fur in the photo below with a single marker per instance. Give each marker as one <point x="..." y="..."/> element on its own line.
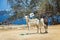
<point x="34" y="21"/>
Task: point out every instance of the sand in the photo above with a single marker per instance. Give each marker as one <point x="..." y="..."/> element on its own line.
<point x="53" y="34"/>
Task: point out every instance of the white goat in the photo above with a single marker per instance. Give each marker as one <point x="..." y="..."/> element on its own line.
<point x="36" y="22"/>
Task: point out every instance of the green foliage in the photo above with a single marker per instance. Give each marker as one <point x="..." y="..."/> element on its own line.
<point x="24" y="6"/>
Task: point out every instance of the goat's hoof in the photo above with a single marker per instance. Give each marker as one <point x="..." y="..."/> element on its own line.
<point x="41" y="32"/>
<point x="46" y="32"/>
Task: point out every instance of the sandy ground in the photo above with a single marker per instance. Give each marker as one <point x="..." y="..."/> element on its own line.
<point x="53" y="34"/>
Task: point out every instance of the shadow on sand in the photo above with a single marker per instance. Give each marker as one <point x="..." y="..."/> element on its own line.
<point x="32" y="33"/>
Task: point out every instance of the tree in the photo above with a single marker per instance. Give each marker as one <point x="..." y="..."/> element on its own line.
<point x="23" y="7"/>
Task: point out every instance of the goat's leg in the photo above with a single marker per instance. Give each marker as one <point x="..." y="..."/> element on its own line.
<point x="46" y="28"/>
<point x="28" y="25"/>
<point x="28" y="28"/>
<point x="40" y="30"/>
<point x="37" y="29"/>
<point x="40" y="27"/>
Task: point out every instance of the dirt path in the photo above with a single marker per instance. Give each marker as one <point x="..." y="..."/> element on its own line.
<point x="54" y="34"/>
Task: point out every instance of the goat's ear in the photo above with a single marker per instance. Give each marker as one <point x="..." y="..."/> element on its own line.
<point x="26" y="16"/>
